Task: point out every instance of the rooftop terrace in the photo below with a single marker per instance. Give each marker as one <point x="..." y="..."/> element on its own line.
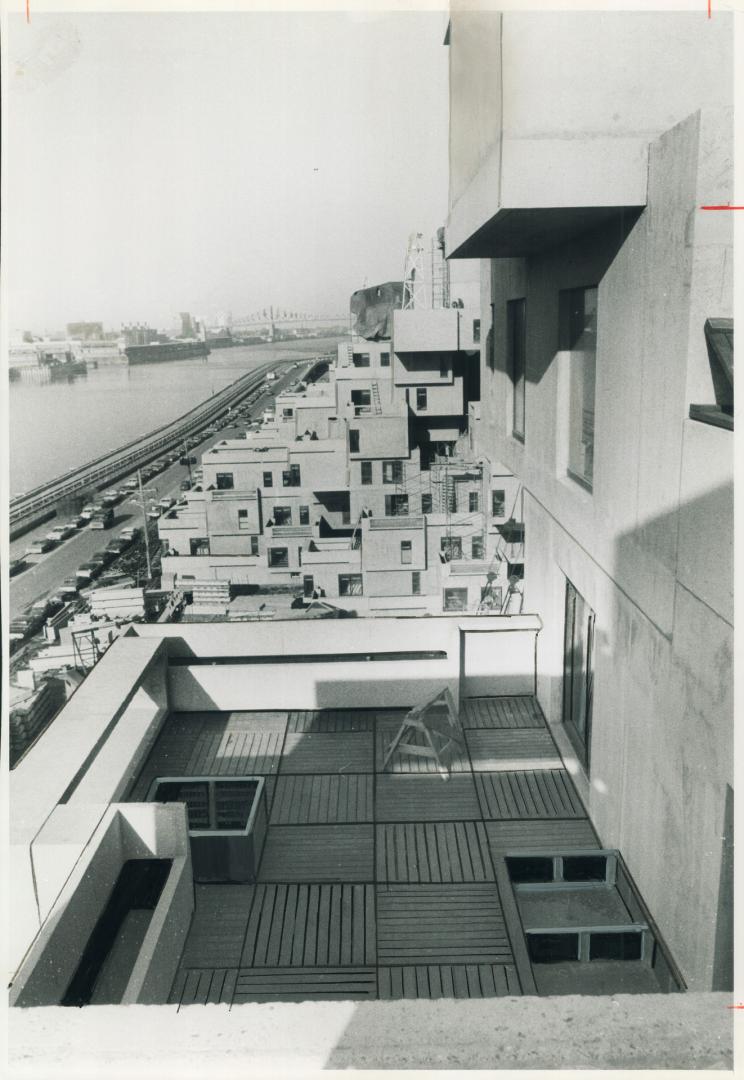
<point x="388" y="884"/>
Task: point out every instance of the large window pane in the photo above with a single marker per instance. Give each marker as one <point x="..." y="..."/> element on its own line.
<point x="580" y="329"/>
<point x="578" y="672"/>
<point x="516" y="361"/>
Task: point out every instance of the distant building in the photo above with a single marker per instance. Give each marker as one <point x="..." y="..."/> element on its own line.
<point x="85" y="331"/>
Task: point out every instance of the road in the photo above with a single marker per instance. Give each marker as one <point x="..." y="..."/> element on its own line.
<point x="46" y="572"/>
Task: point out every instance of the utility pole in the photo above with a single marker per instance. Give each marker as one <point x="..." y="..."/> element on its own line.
<point x="144" y="520"/>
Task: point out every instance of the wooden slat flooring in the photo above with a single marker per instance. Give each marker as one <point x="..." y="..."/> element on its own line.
<point x="331" y="721"/>
<point x="318" y="853"/>
<point x="203" y="986"/>
<point x="306" y="984"/>
<point x="443" y="852"/>
<point x="221" y="913"/>
<point x="310" y="926"/>
<point x="326" y="753"/>
<point x="417" y="797"/>
<point x="556" y="836"/>
<point x="440" y="924"/>
<point x="492" y="751"/>
<point x="506" y="712"/>
<point x="310" y="800"/>
<point x="541" y="793"/>
<point x="448" y="981"/>
<point x="235" y="753"/>
<point x="408" y="763"/>
<point x="170" y="753"/>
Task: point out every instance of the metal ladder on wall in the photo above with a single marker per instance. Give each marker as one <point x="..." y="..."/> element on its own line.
<point x="376" y="403"/>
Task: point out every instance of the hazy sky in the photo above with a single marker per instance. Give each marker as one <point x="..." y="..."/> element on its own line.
<point x="208" y="162"/>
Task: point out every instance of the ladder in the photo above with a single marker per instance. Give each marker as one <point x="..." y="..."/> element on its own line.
<point x="376" y="403"/>
<point x="436" y="726"/>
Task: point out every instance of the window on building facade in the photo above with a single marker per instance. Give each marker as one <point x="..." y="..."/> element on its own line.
<point x="243" y="519"/>
<point x="455" y="600"/>
<point x="719" y="340"/>
<point x="396" y="505"/>
<point x="366" y="472"/>
<point x="406" y="551"/>
<point x="451" y="547"/>
<point x="308" y="585"/>
<point x="416" y="583"/>
<point x="354" y="440"/>
<point x="516" y="345"/>
<point x="491" y="353"/>
<point x="579" y="341"/>
<point x="384" y="359"/>
<point x="199" y="545"/>
<point x="362" y="402"/>
<point x="349" y="584"/>
<point x="291" y="476"/>
<point x="476" y="331"/>
<point x="278" y="556"/>
<point x="476" y="547"/>
<point x="288" y="412"/>
<point x="473" y="501"/>
<point x="421" y="398"/>
<point x="361" y="359"/>
<point x="443" y="367"/>
<point x="254" y="545"/>
<point x="578" y="676"/>
<point x="268" y="479"/>
<point x="426" y="502"/>
<point x="224" y="481"/>
<point x="282" y="515"/>
<point x="498" y="502"/>
<point x="392" y="472"/>
<point x="304" y="515"/>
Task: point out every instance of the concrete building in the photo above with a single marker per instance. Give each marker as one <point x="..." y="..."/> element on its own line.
<point x="606" y="393"/>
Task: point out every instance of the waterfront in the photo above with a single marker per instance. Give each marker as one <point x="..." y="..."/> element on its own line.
<point x="114" y="403"/>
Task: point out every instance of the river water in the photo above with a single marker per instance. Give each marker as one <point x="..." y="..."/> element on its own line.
<point x="55" y="426"/>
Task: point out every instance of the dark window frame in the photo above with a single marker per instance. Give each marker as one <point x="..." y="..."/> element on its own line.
<point x="281" y="554"/>
<point x="578" y="679"/>
<point x="224" y="481"/>
<point x="422" y="399"/>
<point x="365" y="472"/>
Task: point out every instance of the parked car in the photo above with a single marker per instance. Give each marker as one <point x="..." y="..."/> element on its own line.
<point x="102" y="519"/>
<point x="131" y="484"/>
<point x="110" y="498"/>
<point x="40" y="546"/>
<point x="116" y="547"/>
<point x="87" y="512"/>
<point x="185" y="485"/>
<point x="20" y="628"/>
<point x="83" y="575"/>
<point x="102" y="557"/>
<point x="60" y="532"/>
<point x="130" y="533"/>
<point x="76" y="521"/>
<point x="166" y="502"/>
<point x="89" y="569"/>
<point x="153" y="512"/>
<point x="68" y="589"/>
<point x="16" y="565"/>
<point x="188" y="459"/>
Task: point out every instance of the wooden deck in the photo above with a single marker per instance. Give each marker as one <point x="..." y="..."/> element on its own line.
<point x="373" y="884"/>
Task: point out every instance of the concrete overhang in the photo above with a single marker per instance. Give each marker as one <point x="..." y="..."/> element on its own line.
<point x="515" y="233"/>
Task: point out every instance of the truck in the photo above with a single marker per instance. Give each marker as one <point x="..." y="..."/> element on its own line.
<point x="102" y="518"/>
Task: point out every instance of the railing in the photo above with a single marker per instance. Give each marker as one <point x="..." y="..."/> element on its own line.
<point x="397" y="522"/>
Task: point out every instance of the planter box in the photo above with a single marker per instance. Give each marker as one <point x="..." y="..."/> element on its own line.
<point x="228" y="818"/>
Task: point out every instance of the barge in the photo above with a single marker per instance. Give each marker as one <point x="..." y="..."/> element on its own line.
<point x="165" y="350"/>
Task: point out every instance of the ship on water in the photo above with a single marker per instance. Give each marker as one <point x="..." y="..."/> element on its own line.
<point x="165" y="350"/>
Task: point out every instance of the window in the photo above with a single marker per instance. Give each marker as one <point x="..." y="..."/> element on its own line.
<point x="406" y="551"/>
<point x="384" y="359"/>
<point x="421" y="398"/>
<point x="719" y="340"/>
<point x="451" y="547"/>
<point x="288" y="412"/>
<point x="282" y="515"/>
<point x="476" y="331"/>
<point x="516" y="361"/>
<point x="473" y="501"/>
<point x="476" y="547"/>
<point x="291" y="476"/>
<point x="579" y="340"/>
<point x="392" y="472"/>
<point x="443" y="368"/>
<point x="225" y="480"/>
<point x="491" y="353"/>
<point x="349" y="584"/>
<point x="243" y="522"/>
<point x="366" y="472"/>
<point x="416" y="583"/>
<point x="304" y="515"/>
<point x="362" y="402"/>
<point x="426" y="503"/>
<point x="254" y="545"/>
<point x="396" y="505"/>
<point x="199" y="545"/>
<point x="268" y="479"/>
<point x="578" y="676"/>
<point x="354" y="440"/>
<point x="308" y="585"/>
<point x="455" y="600"/>
<point x="361" y="359"/>
<point x="498" y="502"/>
<point x="278" y="556"/>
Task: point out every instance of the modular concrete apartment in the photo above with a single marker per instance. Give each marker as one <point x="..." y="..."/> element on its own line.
<point x="247" y="814"/>
<point x="363" y="488"/>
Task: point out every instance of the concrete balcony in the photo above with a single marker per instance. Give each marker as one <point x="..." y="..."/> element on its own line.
<point x="424" y="330"/>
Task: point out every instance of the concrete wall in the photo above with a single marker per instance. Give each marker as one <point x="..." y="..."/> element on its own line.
<point x="381" y="547"/>
<point x="425" y="330"/>
<point x="381" y="437"/>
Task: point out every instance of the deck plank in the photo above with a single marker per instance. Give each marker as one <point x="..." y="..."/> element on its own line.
<point x="327" y="753"/>
<point x="502" y="712"/>
<point x="387" y="729"/>
<point x="313" y="800"/>
<point x="436" y="981"/>
<point x="218" y="926"/>
<point x="416" y="797"/>
<point x="331" y="721"/>
<point x="305" y="984"/>
<point x="548" y="835"/>
<point x="318" y="853"/>
<point x="442" y="924"/>
<point x="511" y="750"/>
<point x="527" y="795"/>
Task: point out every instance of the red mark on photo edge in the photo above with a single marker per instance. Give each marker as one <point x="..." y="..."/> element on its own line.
<point x="725" y="206"/>
<point x="28" y="10"/>
<point x="735" y="1006"/>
